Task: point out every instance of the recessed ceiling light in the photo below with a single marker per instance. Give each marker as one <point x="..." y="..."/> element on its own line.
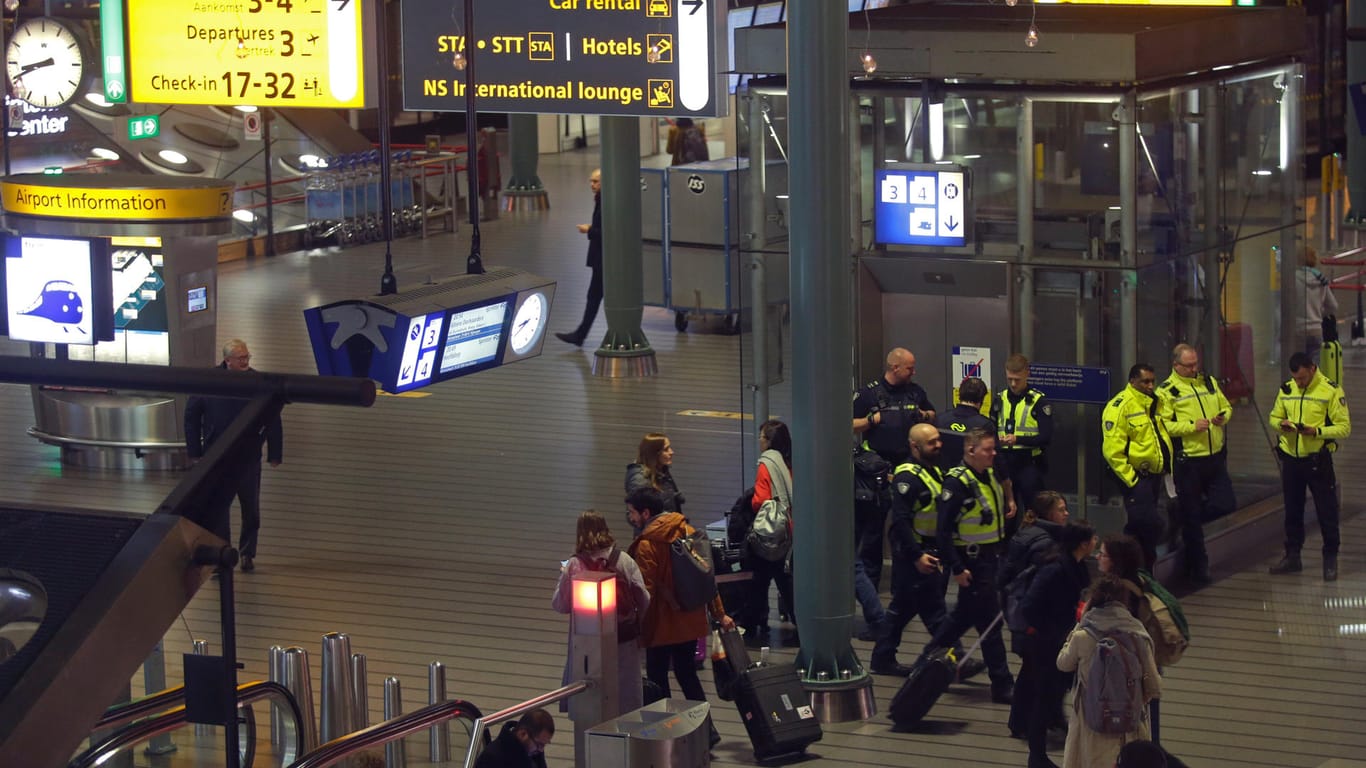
<point x="244" y="216"/>
<point x="245" y="108"/>
<point x="172" y="156"/>
<point x="97" y="98"/>
<point x="104" y="153"/>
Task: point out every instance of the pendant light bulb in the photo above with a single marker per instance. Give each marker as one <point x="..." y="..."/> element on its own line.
<point x="1012" y="3"/>
<point x="459" y="61"/>
<point x="652" y="55"/>
<point x="869" y="63"/>
<point x="1032" y="37"/>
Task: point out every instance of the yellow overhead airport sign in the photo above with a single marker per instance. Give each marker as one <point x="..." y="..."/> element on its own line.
<point x="30" y="196"/>
<point x="278" y="53"/>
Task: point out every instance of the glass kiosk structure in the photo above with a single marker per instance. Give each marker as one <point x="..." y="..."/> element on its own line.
<point x="1135" y="174"/>
<point x="160" y="235"/>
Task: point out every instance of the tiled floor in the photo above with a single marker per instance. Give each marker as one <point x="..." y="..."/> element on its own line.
<point x="431" y="528"/>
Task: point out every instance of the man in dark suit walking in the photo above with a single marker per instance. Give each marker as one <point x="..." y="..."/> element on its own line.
<point x="207" y="419"/>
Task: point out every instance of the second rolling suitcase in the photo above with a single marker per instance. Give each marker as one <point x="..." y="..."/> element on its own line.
<point x="776" y="711"/>
<point x="930" y="676"/>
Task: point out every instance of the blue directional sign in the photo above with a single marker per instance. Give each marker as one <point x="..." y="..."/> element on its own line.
<point x="1071" y="383"/>
<point x="922" y="205"/>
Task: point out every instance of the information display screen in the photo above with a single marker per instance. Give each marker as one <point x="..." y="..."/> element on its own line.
<point x="473" y="336"/>
<point x="197" y="299"/>
<point x="58" y="290"/>
<point x="600" y="57"/>
<point x="279" y="53"/>
<point x="918" y="205"/>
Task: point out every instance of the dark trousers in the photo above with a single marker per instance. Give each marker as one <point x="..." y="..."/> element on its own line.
<point x="1027" y="477"/>
<point x="680" y="656"/>
<point x="912" y="593"/>
<point x="762" y="573"/>
<point x="1144" y="522"/>
<point x="1203" y="492"/>
<point x="977" y="607"/>
<point x="870" y="520"/>
<point x="590" y="310"/>
<point x="249" y="497"/>
<point x="1048" y="690"/>
<point x="1316" y="473"/>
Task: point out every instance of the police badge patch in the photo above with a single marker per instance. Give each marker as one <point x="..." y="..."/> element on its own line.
<point x="946" y="495"/>
<point x="903" y="488"/>
<point x="1109" y="425"/>
<point x="1048" y="409"/>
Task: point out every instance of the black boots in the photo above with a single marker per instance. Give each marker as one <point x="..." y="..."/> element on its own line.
<point x="570" y="338"/>
<point x="1330" y="567"/>
<point x="1290" y="564"/>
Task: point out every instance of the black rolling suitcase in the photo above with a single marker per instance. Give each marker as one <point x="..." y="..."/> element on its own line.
<point x="930" y="676"/>
<point x="776" y="711"/>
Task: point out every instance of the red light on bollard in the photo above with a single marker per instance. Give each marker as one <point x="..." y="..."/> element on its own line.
<point x="595" y="597"/>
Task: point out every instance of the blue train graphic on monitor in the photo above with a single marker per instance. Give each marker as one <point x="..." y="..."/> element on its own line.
<point x="60" y="303"/>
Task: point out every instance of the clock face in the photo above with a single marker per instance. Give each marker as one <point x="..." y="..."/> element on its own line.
<point x="527" y="324"/>
<point x="44" y="63"/>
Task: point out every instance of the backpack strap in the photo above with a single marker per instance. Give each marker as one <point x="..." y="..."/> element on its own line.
<point x="779" y="477"/>
<point x="613" y="557"/>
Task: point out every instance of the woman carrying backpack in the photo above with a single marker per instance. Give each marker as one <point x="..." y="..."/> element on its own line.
<point x="1031" y="546"/>
<point x="1050" y="608"/>
<point x="1116" y="678"/>
<point x="775" y="449"/>
<point x="596" y="550"/>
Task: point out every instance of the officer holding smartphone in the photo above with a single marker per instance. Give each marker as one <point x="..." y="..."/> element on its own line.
<point x="1311" y="416"/>
<point x="1195" y="411"/>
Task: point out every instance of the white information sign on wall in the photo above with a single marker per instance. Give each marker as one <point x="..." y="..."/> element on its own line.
<point x="971" y="361"/>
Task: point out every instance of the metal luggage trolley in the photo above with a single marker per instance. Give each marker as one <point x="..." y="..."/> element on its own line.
<point x="322" y="203"/>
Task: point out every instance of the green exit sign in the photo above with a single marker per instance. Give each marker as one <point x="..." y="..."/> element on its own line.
<point x="144" y="127"/>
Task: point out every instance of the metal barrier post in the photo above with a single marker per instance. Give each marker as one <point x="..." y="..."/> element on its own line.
<point x="439" y="746"/>
<point x="276" y="665"/>
<point x="360" y="695"/>
<point x="299" y="683"/>
<point x="338" y="718"/>
<point x="201" y="648"/>
<point x="395" y="752"/>
<point x="153" y="681"/>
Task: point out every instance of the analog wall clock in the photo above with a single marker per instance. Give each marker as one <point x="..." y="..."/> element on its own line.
<point x="528" y="323"/>
<point x="45" y="62"/>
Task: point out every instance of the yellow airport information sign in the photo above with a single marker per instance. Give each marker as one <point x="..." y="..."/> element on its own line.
<point x="28" y="197"/>
<point x="1171" y="3"/>
<point x="276" y="53"/>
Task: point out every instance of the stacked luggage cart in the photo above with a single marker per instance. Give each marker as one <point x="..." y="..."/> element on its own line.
<point x="343" y="204"/>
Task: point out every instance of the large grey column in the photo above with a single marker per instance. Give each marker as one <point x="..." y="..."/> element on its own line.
<point x="1024" y="223"/>
<point x="524" y="189"/>
<point x="625" y="351"/>
<point x="1128" y="231"/>
<point x="822" y="331"/>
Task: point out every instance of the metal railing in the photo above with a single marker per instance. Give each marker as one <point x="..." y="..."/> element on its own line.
<point x="503" y="715"/>
<point x="390" y="730"/>
<point x="170" y="719"/>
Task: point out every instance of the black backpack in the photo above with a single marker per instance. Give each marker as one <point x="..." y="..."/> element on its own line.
<point x="694" y="145"/>
<point x="628" y="609"/>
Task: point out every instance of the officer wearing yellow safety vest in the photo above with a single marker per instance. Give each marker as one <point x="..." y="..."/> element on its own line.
<point x="971" y="535"/>
<point x="1194" y="410"/>
<point x="1311" y="415"/>
<point x="1025" y="418"/>
<point x="917" y="583"/>
<point x="1139" y="452"/>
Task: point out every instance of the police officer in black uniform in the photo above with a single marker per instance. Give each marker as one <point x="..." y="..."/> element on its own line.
<point x="964" y="418"/>
<point x="1025" y="418"/>
<point x="971" y="534"/>
<point x="884" y="411"/>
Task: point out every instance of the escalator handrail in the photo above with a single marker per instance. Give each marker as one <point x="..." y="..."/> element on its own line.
<point x="503" y="715"/>
<point x="173" y="718"/>
<point x="127" y="712"/>
<point x="392" y="729"/>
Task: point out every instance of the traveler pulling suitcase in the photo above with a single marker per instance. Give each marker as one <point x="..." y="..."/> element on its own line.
<point x="930" y="676"/>
<point x="773" y="705"/>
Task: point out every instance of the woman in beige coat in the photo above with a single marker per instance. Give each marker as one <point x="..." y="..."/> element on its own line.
<point x="1106" y="612"/>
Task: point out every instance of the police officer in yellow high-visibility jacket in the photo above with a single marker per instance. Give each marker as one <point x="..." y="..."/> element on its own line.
<point x="1139" y="452"/>
<point x="1311" y="416"/>
<point x="1194" y="410"/>
<point x="971" y="533"/>
<point x="1025" y="418"/>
